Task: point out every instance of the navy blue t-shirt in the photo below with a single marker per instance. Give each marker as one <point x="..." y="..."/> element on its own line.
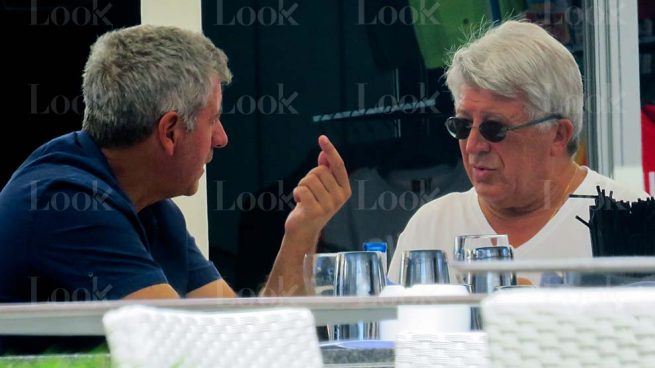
<point x="69" y="233"/>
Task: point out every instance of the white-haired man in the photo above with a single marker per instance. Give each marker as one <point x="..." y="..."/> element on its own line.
<point x="519" y="105"/>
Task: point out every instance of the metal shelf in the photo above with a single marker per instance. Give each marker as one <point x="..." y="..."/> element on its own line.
<point x="598" y="264"/>
<point x="647" y="40"/>
<point x="423" y="108"/>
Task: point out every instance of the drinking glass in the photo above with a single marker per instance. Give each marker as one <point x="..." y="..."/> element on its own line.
<point x="465" y="246"/>
<point x="320" y="276"/>
<point x="320" y="273"/>
<point x="424" y="267"/>
<point x="486" y="282"/>
<point x="358" y="274"/>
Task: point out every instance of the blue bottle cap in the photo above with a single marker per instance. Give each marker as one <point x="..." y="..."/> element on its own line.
<point x="375" y="246"/>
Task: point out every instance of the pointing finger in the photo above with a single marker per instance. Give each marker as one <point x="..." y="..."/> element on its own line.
<point x="330" y="157"/>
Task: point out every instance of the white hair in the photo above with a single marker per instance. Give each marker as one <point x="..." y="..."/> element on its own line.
<point x="135" y="75"/>
<point x="521" y="60"/>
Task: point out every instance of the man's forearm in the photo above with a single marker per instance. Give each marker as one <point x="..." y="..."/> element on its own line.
<point x="287" y="276"/>
<point x="318" y="196"/>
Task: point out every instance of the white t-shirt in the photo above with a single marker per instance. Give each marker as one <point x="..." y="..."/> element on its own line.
<point x="436" y="224"/>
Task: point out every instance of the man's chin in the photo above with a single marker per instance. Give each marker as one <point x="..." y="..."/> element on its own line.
<point x="488" y="192"/>
<point x="192" y="189"/>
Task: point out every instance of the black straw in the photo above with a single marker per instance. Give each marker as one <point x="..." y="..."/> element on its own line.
<point x="583" y="221"/>
<point x="583" y="196"/>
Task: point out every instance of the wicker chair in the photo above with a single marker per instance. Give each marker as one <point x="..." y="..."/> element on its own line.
<point x="148" y="337"/>
<point x="585" y="327"/>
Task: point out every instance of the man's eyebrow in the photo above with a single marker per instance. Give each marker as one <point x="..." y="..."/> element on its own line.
<point x="461" y="111"/>
<point x="486" y="115"/>
<point x="498" y="116"/>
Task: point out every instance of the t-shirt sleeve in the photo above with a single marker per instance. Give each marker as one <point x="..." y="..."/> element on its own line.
<point x="201" y="271"/>
<point x="89" y="249"/>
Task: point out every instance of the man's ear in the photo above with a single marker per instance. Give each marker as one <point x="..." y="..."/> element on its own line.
<point x="168" y="132"/>
<point x="563" y="136"/>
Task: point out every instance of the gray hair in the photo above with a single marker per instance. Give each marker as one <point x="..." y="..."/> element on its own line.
<point x="135" y="75"/>
<point x="521" y="60"/>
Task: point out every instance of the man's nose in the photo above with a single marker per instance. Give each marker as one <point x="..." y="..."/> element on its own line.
<point x="219" y="137"/>
<point x="475" y="143"/>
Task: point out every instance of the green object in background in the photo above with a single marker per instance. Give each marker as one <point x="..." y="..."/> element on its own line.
<point x="57" y="361"/>
<point x="440" y="32"/>
<point x="97" y="357"/>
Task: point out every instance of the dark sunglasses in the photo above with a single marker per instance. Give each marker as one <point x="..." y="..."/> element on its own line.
<point x="492" y="131"/>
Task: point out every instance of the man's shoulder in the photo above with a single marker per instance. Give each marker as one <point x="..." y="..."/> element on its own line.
<point x="619" y="190"/>
<point x="67" y="168"/>
<point x="54" y="186"/>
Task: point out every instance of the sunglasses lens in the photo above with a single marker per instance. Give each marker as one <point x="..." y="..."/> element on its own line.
<point x="458" y="128"/>
<point x="461" y="128"/>
<point x="492" y="131"/>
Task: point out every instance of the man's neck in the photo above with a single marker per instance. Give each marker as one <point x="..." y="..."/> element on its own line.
<point x="135" y="176"/>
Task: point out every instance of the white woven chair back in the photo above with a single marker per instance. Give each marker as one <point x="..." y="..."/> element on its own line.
<point x="585" y="327"/>
<point x="441" y="350"/>
<point x="141" y="336"/>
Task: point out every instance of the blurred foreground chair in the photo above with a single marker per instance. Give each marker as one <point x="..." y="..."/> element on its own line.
<point x="585" y="327"/>
<point x="141" y="336"/>
<point x="441" y="350"/>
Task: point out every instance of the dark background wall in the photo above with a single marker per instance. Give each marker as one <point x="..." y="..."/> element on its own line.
<point x="44" y="47"/>
<point x="298" y="60"/>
